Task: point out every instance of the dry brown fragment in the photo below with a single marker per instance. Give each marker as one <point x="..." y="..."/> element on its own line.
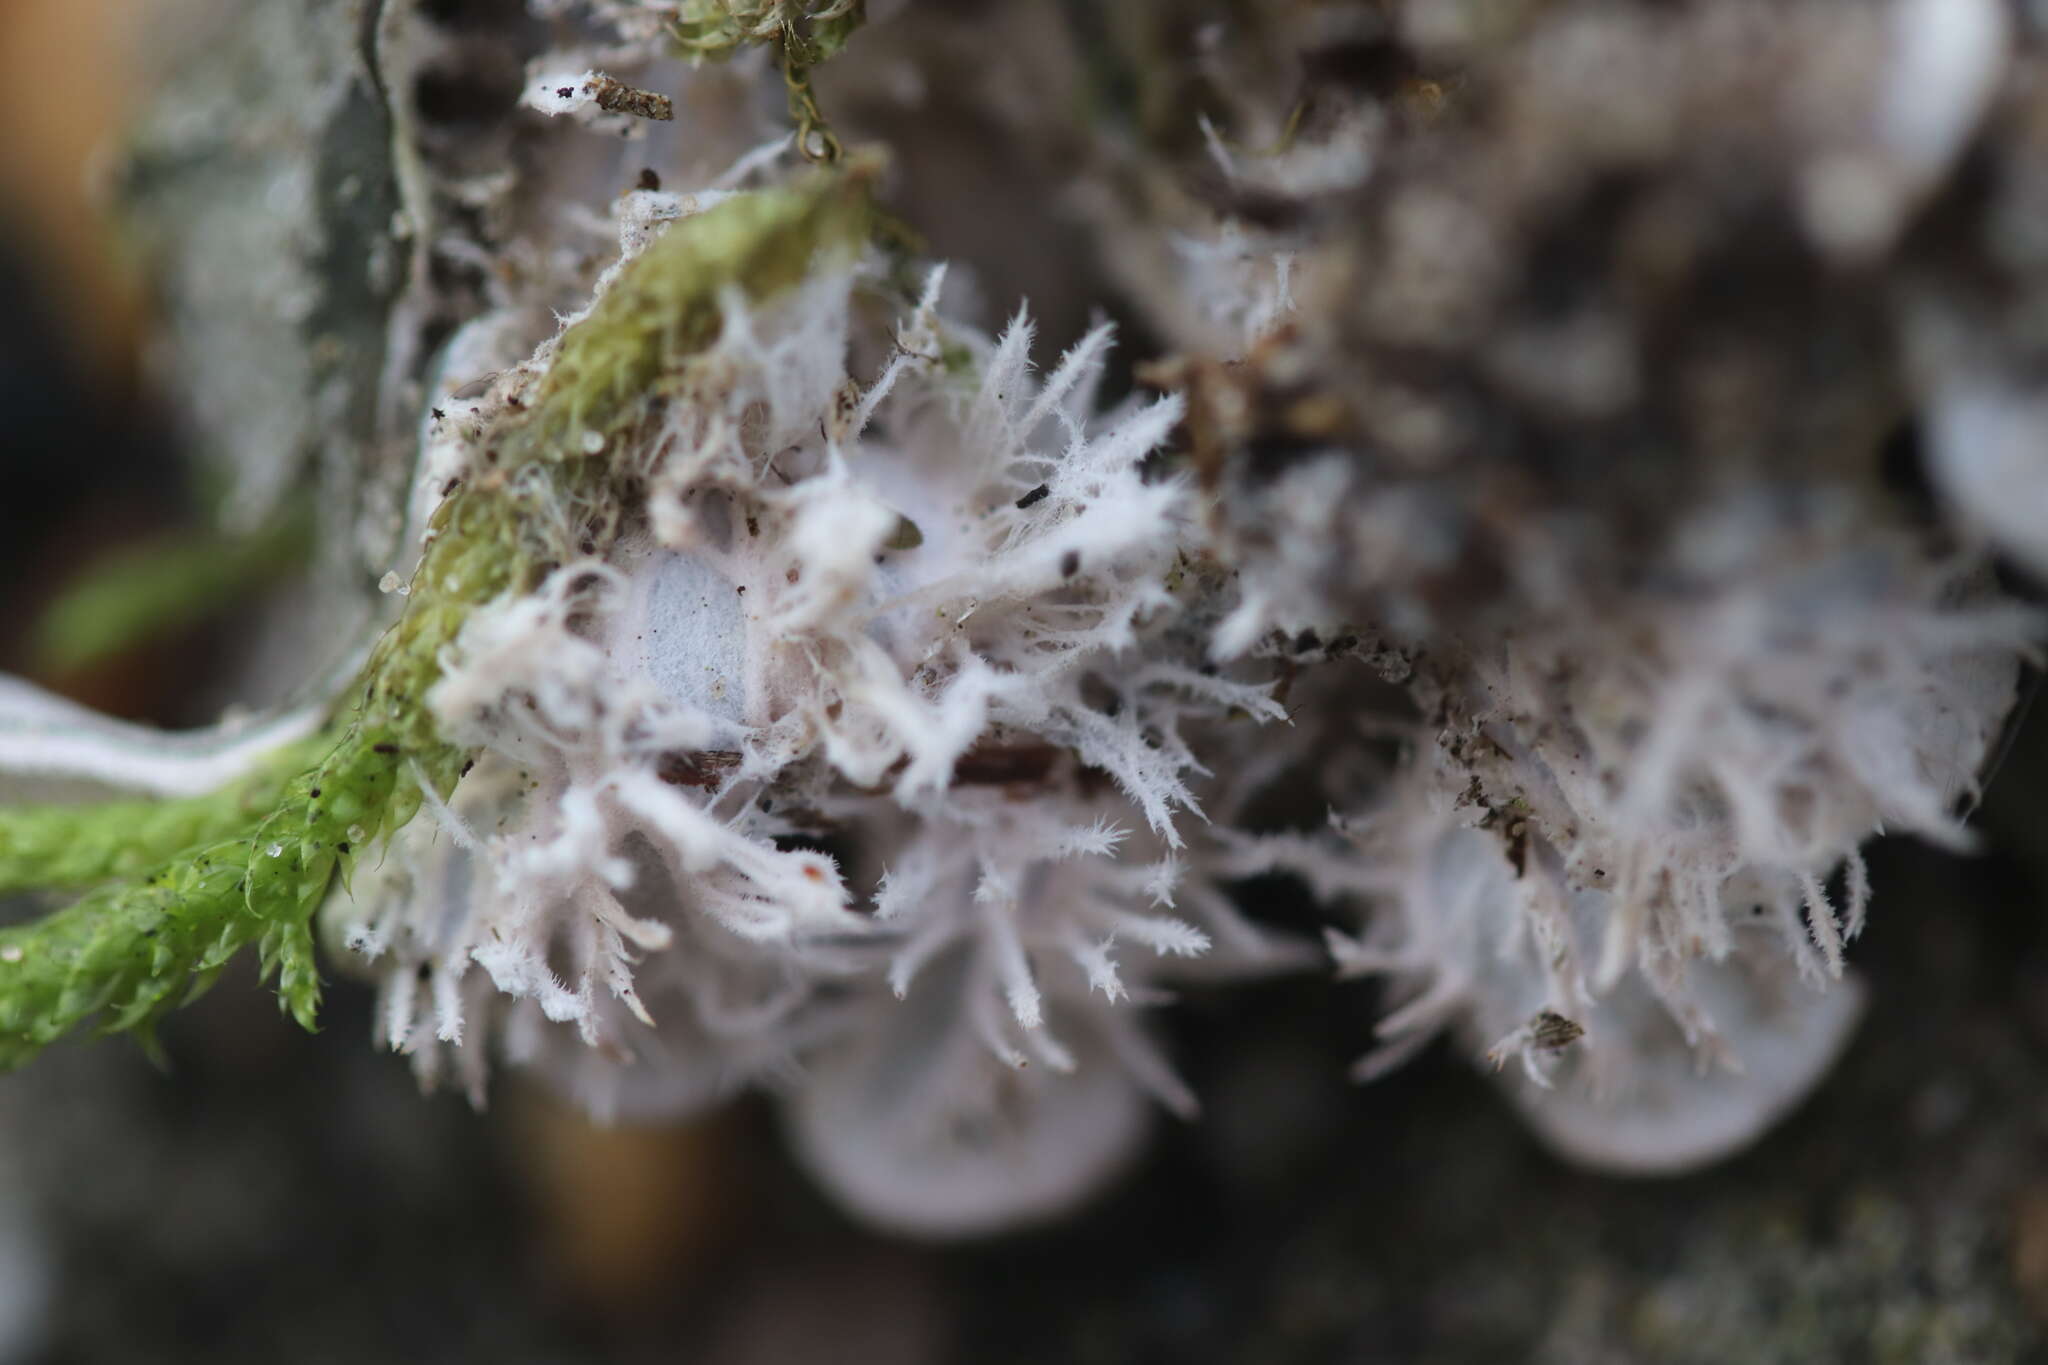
<point x="704" y="770"/>
<point x="997" y="764"/>
<point x="616" y="97"/>
<point x="1552" y="1032"/>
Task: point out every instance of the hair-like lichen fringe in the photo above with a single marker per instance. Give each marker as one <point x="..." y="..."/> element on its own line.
<point x="237" y="868"/>
<point x="665" y="304"/>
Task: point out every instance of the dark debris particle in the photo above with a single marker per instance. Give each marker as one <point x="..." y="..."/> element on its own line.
<point x="990" y="765"/>
<point x="703" y="770"/>
<point x="1551" y="1031"/>
<point x="1034" y="497"/>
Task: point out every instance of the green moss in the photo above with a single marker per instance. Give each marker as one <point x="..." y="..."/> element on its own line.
<point x="803" y="33"/>
<point x="68" y="847"/>
<point x="665" y="304"/>
<point x="251" y="863"/>
<point x="161" y="587"/>
<point x="807" y="33"/>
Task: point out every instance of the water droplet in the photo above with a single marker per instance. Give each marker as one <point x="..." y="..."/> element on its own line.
<point x="356" y="834"/>
<point x="275" y="850"/>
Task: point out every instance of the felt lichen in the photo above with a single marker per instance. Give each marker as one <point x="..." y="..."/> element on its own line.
<point x="797" y="684"/>
<point x="252" y="862"/>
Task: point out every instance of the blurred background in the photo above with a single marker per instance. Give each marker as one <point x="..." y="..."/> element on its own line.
<point x="272" y="1196"/>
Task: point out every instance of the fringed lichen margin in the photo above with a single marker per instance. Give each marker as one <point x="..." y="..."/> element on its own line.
<point x="251" y="863"/>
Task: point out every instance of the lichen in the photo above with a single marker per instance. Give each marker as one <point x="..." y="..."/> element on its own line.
<point x="1507" y="542"/>
<point x="138" y="946"/>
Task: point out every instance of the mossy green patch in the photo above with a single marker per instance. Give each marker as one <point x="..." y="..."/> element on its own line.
<point x="74" y="846"/>
<point x="807" y="31"/>
<point x="666" y="304"/>
<point x="161" y="587"/>
<point x="803" y="33"/>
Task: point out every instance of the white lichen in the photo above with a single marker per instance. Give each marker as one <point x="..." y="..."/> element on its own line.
<point x="893" y="728"/>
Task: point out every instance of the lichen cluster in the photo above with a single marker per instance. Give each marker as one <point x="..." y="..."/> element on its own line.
<point x="1513" y="540"/>
<point x="180" y="887"/>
